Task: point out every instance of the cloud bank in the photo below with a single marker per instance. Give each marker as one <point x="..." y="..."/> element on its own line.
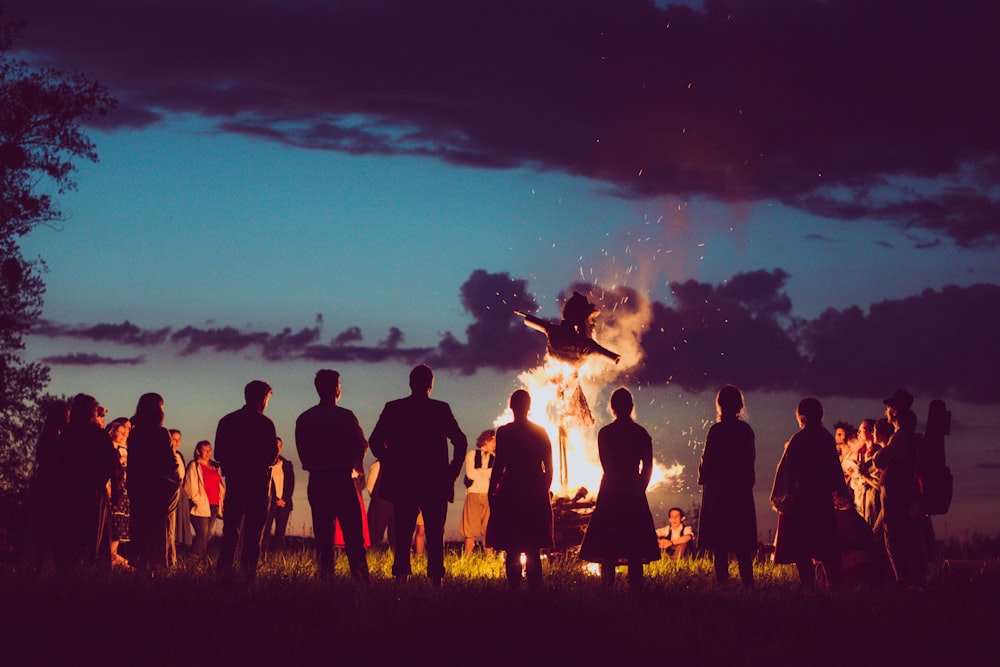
<point x="742" y="331"/>
<point x="845" y="109"/>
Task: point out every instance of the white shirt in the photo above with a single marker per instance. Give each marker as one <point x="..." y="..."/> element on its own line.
<point x="480" y="476"/>
<point x="278" y="479"/>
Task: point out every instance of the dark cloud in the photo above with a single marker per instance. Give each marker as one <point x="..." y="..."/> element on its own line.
<point x="125" y="333"/>
<point x="739" y="332"/>
<point x="938" y="344"/>
<point x="288" y="344"/>
<point x="220" y="339"/>
<point x="497" y="338"/>
<point x="85" y="359"/>
<point x="935" y="343"/>
<point x="348" y="335"/>
<point x="392" y="339"/>
<point x="845" y="109"/>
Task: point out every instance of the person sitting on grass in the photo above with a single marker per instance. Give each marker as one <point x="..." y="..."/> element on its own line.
<point x="676" y="538"/>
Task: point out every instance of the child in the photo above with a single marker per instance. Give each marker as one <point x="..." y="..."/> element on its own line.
<point x="677" y="537"/>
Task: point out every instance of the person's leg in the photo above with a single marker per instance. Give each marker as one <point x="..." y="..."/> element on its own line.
<point x="834" y="569"/>
<point x="744" y="561"/>
<point x="405" y="511"/>
<point x="807" y="572"/>
<point x="231" y="523"/>
<point x="533" y="568"/>
<point x="322" y="517"/>
<point x="348" y="510"/>
<point x="721" y="566"/>
<point x="635" y="580"/>
<point x="378" y="521"/>
<point x="435" y="514"/>
<point x="419" y="536"/>
<point x="608" y="573"/>
<point x="171" y="537"/>
<point x="512" y="566"/>
<point x="268" y="540"/>
<point x="200" y="544"/>
<point x="895" y="549"/>
<point x="253" y="526"/>
<point x="280" y="526"/>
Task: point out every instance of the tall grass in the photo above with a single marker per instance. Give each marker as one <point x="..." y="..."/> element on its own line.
<point x="289" y="617"/>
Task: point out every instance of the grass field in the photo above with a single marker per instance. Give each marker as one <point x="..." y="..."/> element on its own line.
<point x="289" y="617"/>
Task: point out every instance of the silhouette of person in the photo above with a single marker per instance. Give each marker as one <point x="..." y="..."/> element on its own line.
<point x="381" y="516"/>
<point x="728" y="519"/>
<point x="85" y="462"/>
<point x="181" y="530"/>
<point x="280" y="507"/>
<point x="805" y="483"/>
<point x="331" y="446"/>
<point x="520" y="508"/>
<point x="476" y="510"/>
<point x="571" y="340"/>
<point x="245" y="445"/>
<point x="411" y="440"/>
<point x="206" y="490"/>
<point x="621" y="527"/>
<point x="153" y="484"/>
<point x="120" y="505"/>
<point x="676" y="539"/>
<point x="898" y="524"/>
<point x="865" y="481"/>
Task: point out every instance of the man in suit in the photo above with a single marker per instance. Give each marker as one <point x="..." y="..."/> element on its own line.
<point x="280" y="506"/>
<point x="246" y="446"/>
<point x="411" y="440"/>
<point x="331" y="446"/>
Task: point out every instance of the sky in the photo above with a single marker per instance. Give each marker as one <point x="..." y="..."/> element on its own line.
<point x="800" y="198"/>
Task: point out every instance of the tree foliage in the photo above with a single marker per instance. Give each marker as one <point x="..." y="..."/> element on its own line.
<point x="41" y="112"/>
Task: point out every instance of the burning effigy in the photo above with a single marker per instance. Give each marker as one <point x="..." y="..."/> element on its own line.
<point x="570" y="344"/>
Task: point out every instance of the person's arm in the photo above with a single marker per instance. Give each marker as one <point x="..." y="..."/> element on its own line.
<point x="647" y="460"/>
<point x="706" y="465"/>
<point x="378" y="441"/>
<point x="191" y="480"/>
<point x="289" y="481"/>
<point x="268" y="444"/>
<point x="459" y="444"/>
<point x="481" y="474"/>
<point x="360" y="447"/>
<point x="498" y="464"/>
<point x="779" y="490"/>
<point x="221" y="450"/>
<point x="547" y="458"/>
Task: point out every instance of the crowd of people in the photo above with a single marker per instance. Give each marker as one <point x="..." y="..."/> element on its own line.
<point x="122" y="495"/>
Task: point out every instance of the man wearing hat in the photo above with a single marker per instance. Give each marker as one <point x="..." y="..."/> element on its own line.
<point x="897" y="523"/>
<point x="900" y="401"/>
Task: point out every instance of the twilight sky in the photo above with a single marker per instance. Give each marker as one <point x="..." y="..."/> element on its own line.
<point x="796" y="197"/>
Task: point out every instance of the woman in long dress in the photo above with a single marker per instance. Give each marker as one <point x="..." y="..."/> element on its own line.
<point x="520" y="508"/>
<point x="621" y="528"/>
<point x="120" y="504"/>
<point x="728" y="521"/>
<point x="806" y="481"/>
<point x="153" y="484"/>
<point x="85" y="464"/>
